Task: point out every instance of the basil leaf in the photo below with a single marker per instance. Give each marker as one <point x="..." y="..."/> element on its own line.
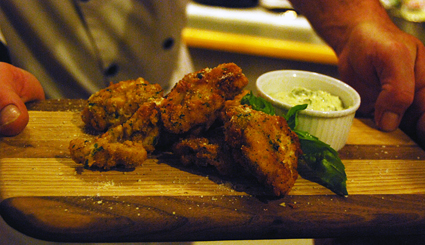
<point x="292" y="115"/>
<point x="258" y="103"/>
<point x="319" y="162"/>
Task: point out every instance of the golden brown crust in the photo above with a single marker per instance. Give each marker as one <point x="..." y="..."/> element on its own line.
<point x="144" y="126"/>
<point x="123" y="145"/>
<point x="264" y="145"/>
<point x="211" y="151"/>
<point x="195" y="101"/>
<point x="117" y="103"/>
<point x="136" y="115"/>
<point x="105" y="155"/>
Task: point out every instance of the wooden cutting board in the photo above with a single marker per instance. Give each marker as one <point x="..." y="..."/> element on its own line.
<point x="44" y="194"/>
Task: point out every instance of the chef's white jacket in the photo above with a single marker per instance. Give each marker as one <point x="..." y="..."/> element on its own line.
<point x="77" y="47"/>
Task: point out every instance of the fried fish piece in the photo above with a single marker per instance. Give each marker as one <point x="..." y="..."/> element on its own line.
<point x="195" y="101"/>
<point x="115" y="104"/>
<point x="207" y="151"/>
<point x="124" y="145"/>
<point x="264" y="145"/>
<point x="105" y="155"/>
<point x="144" y="126"/>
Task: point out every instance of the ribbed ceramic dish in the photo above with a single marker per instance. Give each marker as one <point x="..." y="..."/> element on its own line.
<point x="330" y="127"/>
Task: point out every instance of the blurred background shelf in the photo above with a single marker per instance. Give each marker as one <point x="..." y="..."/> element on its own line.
<point x="255" y="31"/>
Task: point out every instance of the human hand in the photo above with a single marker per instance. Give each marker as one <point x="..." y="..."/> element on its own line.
<point x="387" y="67"/>
<point x="17" y="88"/>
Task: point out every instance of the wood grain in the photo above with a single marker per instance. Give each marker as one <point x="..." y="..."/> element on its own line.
<point x="195" y="218"/>
<point x="44" y="194"/>
<point x="37" y="163"/>
<point x="62" y="177"/>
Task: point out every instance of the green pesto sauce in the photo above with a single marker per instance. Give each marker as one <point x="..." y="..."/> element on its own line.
<point x="317" y="100"/>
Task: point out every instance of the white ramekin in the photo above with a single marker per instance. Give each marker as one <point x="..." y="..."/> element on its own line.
<point x="330" y="127"/>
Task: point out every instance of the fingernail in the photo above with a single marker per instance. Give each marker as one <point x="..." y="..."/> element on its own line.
<point x="9" y="114"/>
<point x="389" y="121"/>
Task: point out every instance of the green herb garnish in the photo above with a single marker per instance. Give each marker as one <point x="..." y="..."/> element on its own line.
<point x="258" y="103"/>
<point x="320" y="162"/>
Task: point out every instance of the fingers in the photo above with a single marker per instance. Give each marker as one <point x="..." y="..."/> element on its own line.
<point x="368" y="91"/>
<point x="17" y="87"/>
<point x="413" y="122"/>
<point x="395" y="69"/>
<point x="419" y="101"/>
<point x="379" y="63"/>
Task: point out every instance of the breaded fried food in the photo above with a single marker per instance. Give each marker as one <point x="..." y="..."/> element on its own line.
<point x="207" y="151"/>
<point x="124" y="145"/>
<point x="115" y="104"/>
<point x="195" y="101"/>
<point x="144" y="125"/>
<point x="105" y="155"/>
<point x="264" y="145"/>
<point x="202" y="117"/>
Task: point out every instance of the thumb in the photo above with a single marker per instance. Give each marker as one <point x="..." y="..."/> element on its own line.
<point x="17" y="88"/>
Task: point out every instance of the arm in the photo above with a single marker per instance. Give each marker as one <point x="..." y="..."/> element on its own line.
<point x="334" y="20"/>
<point x="385" y="65"/>
<point x="17" y="87"/>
